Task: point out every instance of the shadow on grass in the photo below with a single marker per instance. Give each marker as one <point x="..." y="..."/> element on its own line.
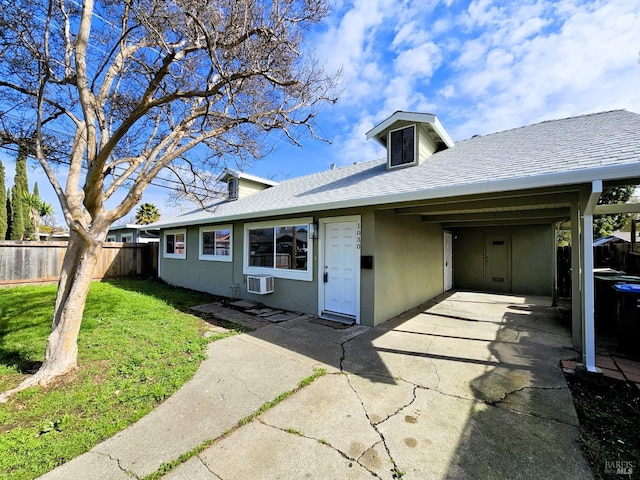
<point x="180" y="298"/>
<point x="26" y="314"/>
<point x="34" y="307"/>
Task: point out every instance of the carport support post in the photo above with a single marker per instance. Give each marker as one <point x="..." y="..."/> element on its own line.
<point x="589" y="339"/>
<point x="554" y="270"/>
<point x="576" y="277"/>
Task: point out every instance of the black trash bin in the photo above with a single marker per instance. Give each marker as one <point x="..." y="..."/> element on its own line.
<point x="628" y="317"/>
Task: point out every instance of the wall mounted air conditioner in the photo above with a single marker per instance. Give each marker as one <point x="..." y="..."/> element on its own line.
<point x="260" y="284"/>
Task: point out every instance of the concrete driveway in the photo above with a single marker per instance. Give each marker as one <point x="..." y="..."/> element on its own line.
<point x="466" y="386"/>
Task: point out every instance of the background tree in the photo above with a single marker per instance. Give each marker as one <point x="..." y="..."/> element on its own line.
<point x="37" y="209"/>
<point x="21" y="183"/>
<point x="144" y="86"/>
<point x="17" y="220"/>
<point x="9" y="214"/>
<point x="4" y="221"/>
<point x="147" y="213"/>
<point x="604" y="225"/>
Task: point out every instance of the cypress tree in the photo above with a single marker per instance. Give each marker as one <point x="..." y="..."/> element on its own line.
<point x="17" y="219"/>
<point x="7" y="236"/>
<point x="21" y="183"/>
<point x="4" y="220"/>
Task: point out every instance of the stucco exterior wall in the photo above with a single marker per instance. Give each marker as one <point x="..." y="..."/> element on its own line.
<point x="205" y="276"/>
<point x="408" y="264"/>
<point x="227" y="278"/>
<point x="531" y="258"/>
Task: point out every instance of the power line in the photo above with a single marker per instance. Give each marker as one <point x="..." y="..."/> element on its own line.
<point x="203" y="191"/>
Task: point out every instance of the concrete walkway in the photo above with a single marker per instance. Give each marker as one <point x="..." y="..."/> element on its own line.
<point x="467" y="386"/>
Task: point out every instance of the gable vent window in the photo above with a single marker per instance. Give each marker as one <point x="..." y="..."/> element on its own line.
<point x="402" y="149"/>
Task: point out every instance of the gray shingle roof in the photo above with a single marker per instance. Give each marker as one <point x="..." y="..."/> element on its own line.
<point x="568" y="151"/>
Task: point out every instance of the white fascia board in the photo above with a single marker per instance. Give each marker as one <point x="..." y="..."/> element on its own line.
<point x="578" y="177"/>
<point x="437" y="126"/>
<point x="400" y="116"/>
<point x="132" y="226"/>
<point x="592" y="201"/>
<point x="228" y="172"/>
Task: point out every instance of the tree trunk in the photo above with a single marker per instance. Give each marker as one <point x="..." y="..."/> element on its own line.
<point x="61" y="352"/>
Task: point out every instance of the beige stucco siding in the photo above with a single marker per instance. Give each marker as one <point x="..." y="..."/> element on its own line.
<point x="407" y="263"/>
<point x="531" y="258"/>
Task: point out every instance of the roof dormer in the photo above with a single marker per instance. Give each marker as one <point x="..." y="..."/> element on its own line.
<point x="410" y="138"/>
<point x="240" y="185"/>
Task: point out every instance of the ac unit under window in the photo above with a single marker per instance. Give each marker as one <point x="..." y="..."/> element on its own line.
<point x="260" y="284"/>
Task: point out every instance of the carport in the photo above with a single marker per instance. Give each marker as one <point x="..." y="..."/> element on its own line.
<point x="519" y="228"/>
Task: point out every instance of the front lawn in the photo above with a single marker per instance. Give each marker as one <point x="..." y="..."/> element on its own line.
<point x="138" y="344"/>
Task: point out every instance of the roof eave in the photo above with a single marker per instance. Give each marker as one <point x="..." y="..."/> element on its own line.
<point x="376" y="132"/>
<point x="579" y="177"/>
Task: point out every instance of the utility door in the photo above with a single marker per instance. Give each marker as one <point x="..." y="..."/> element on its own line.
<point x="448" y="260"/>
<point x="340" y="270"/>
<point x="497" y="263"/>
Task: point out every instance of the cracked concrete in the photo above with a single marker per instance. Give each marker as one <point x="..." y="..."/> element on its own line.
<point x="466" y="386"/>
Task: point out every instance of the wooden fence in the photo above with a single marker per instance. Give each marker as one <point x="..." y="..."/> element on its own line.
<point x="613" y="255"/>
<point x="41" y="262"/>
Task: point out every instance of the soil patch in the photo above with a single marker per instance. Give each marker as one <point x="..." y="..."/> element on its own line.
<point x="609" y="414"/>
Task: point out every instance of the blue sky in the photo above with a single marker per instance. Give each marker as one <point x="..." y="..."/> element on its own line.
<point x="480" y="66"/>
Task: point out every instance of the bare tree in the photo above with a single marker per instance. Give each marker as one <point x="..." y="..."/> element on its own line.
<point x="116" y="91"/>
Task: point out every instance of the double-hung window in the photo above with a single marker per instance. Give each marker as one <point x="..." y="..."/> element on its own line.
<point x="216" y="243"/>
<point x="175" y="244"/>
<point x="282" y="249"/>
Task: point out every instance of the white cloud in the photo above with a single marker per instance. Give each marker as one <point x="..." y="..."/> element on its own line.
<point x="488" y="67"/>
<point x="587" y="64"/>
<point x="420" y="61"/>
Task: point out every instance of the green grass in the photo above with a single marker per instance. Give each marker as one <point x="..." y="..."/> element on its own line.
<point x="138" y="344"/>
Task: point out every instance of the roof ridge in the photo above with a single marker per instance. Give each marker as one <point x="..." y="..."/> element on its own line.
<point x="554" y="120"/>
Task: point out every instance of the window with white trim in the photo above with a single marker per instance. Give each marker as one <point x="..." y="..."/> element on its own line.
<point x="126" y="237"/>
<point x="232" y="189"/>
<point x="175" y="244"/>
<point x="282" y="249"/>
<point x="110" y="238"/>
<point x="216" y="243"/>
<point x="402" y="147"/>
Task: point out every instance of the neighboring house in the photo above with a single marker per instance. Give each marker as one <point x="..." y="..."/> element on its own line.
<point x="368" y="241"/>
<point x="134" y="233"/>
<point x="615" y="237"/>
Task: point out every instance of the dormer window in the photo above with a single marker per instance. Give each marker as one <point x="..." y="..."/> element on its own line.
<point x="410" y="138"/>
<point x="232" y="189"/>
<point x="402" y="147"/>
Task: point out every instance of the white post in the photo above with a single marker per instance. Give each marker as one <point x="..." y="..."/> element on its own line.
<point x="588" y="335"/>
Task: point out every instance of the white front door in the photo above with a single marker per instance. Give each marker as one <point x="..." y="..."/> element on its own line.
<point x="340" y="269"/>
<point x="448" y="260"/>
